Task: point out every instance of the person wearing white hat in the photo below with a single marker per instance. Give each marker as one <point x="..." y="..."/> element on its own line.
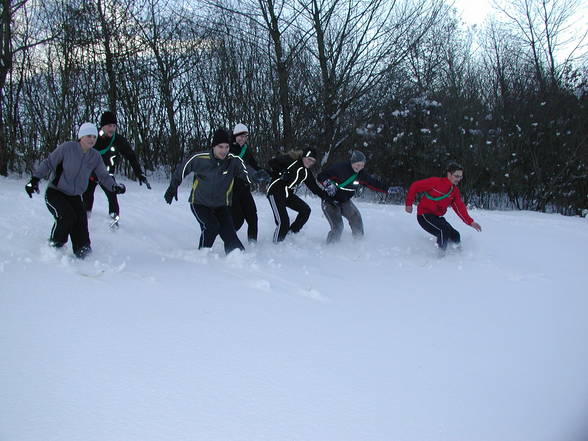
<point x="70" y="166"/>
<point x="243" y="208"/>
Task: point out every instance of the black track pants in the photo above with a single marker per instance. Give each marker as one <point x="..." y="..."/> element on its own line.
<point x="279" y="202"/>
<point x="335" y="214"/>
<point x="439" y="228"/>
<point x="214" y="222"/>
<point x="244" y="210"/>
<point x="70" y="220"/>
<point x="88" y="197"/>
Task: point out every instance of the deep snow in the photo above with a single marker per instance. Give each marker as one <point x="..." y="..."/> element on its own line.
<point x="151" y="339"/>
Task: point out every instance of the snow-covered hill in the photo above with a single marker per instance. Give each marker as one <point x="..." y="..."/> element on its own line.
<point x="150" y="339"/>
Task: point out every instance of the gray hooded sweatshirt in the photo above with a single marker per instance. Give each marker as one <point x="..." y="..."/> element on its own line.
<point x="70" y="169"/>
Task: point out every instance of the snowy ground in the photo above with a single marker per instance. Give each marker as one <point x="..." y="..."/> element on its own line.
<point x="378" y="340"/>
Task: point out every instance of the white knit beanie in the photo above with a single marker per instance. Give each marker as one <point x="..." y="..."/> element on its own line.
<point x="240" y="129"/>
<point x="87" y="129"/>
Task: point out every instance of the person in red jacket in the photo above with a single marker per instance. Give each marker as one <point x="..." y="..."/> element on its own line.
<point x="439" y="194"/>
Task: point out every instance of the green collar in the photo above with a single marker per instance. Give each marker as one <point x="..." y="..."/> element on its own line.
<point x="102" y="152"/>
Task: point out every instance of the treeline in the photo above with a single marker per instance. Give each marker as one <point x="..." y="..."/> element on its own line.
<point x="404" y="81"/>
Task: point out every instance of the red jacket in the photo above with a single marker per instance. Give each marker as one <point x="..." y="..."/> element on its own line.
<point x="437" y="187"/>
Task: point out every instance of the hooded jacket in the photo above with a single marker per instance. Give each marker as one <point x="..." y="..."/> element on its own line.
<point x="213" y="178"/>
<point x="70" y="169"/>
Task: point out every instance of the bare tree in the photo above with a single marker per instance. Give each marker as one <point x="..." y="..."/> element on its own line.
<point x="356" y="43"/>
<point x="174" y="43"/>
<point x="19" y="31"/>
<point x="548" y="28"/>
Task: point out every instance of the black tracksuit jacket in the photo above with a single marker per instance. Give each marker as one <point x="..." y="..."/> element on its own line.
<point x="288" y="173"/>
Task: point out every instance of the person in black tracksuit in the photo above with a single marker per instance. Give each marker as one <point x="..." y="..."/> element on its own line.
<point x="288" y="172"/>
<point x="340" y="181"/>
<point x="70" y="166"/>
<point x="243" y="207"/>
<point x="112" y="146"/>
<point x="214" y="172"/>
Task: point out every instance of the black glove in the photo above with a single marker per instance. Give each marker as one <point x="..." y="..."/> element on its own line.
<point x="170" y="194"/>
<point x="32" y="187"/>
<point x="394" y="190"/>
<point x="261" y="176"/>
<point x="143" y="180"/>
<point x="119" y="188"/>
<point x="330" y="187"/>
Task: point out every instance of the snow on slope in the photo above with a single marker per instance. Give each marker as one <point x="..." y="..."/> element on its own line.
<point x="151" y="339"/>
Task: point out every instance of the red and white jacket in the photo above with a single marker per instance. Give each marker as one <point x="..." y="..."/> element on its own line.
<point x="437" y="187"/>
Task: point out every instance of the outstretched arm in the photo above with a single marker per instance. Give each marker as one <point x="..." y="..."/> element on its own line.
<point x="310" y="182"/>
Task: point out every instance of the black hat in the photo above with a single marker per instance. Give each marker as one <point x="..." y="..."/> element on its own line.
<point x="309" y="153"/>
<point x="107" y="118"/>
<point x="357" y="156"/>
<point x="220" y="136"/>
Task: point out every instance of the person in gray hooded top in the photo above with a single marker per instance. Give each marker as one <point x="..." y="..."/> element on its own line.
<point x="70" y="165"/>
<point x="212" y="190"/>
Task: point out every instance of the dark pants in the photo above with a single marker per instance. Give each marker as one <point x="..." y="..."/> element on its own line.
<point x="439" y="228"/>
<point x="279" y="202"/>
<point x="215" y="221"/>
<point x="334" y="212"/>
<point x="70" y="220"/>
<point x="244" y="209"/>
<point x="89" y="197"/>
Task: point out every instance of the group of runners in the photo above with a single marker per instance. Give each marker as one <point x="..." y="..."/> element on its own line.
<point x="220" y="196"/>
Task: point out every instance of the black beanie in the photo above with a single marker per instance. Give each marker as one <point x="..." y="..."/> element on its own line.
<point x="220" y="136"/>
<point x="107" y="118"/>
<point x="309" y="153"/>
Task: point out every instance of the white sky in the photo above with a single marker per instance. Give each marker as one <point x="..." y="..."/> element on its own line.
<point x="473" y="11"/>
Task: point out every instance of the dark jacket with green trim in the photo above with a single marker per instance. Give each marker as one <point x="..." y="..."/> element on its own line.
<point x="213" y="178"/>
<point x="112" y="153"/>
<point x="341" y="172"/>
<point x="248" y="159"/>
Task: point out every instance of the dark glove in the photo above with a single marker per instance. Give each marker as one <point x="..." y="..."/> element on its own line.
<point x="143" y="180"/>
<point x="119" y="188"/>
<point x="261" y="176"/>
<point x="330" y="187"/>
<point x="32" y="187"/>
<point x="394" y="190"/>
<point x="170" y="194"/>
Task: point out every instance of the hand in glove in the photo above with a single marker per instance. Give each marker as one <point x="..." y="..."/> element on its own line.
<point x="330" y="187"/>
<point x="170" y="194"/>
<point x="32" y="187"/>
<point x="119" y="188"/>
<point x="261" y="176"/>
<point x="394" y="190"/>
<point x="143" y="180"/>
